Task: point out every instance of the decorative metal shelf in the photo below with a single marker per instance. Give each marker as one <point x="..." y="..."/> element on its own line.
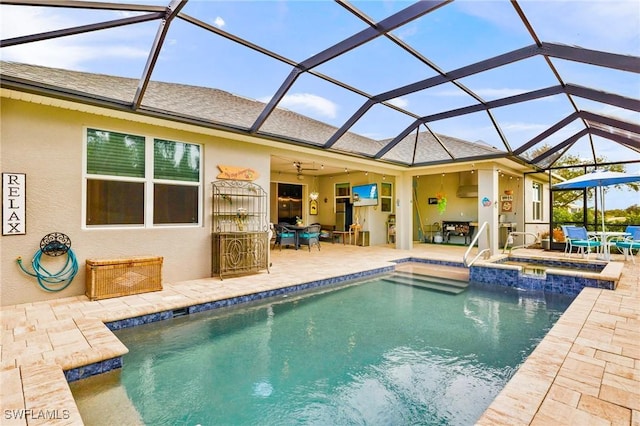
<point x="240" y="231"/>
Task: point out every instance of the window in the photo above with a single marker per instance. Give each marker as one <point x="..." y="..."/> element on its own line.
<point x="537" y="201"/>
<point x="386" y="197"/>
<point x="343" y="190"/>
<point x="176" y="189"/>
<point x="130" y="181"/>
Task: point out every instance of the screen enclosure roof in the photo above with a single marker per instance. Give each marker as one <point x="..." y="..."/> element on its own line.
<point x="413" y="84"/>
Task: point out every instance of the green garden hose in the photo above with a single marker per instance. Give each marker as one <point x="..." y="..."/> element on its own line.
<point x="56" y="281"/>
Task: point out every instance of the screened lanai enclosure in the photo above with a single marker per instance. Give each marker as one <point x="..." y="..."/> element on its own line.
<point x="548" y="84"/>
<point x="516" y="75"/>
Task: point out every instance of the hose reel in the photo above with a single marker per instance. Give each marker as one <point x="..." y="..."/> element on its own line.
<point x="54" y="244"/>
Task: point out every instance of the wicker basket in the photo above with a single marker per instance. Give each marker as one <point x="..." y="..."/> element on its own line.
<point x="122" y="277"/>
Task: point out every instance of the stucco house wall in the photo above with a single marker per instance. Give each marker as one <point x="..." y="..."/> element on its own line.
<point x="44" y="138"/>
<point x="541" y="226"/>
<point x="372" y="218"/>
<point x="46" y="143"/>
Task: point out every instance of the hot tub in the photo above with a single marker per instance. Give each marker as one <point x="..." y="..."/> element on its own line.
<point x="552" y="275"/>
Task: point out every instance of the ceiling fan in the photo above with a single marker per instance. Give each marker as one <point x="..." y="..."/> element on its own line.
<point x="301" y="168"/>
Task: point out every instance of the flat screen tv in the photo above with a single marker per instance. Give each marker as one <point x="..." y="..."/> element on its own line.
<point x="365" y="195"/>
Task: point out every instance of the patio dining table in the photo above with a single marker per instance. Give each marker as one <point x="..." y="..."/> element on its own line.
<point x="298" y="230"/>
<point x="605" y="239"/>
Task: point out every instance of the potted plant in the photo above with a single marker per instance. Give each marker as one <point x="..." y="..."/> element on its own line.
<point x="558" y="235"/>
<point x="241" y="218"/>
<point x="442" y="202"/>
<point x="544" y="241"/>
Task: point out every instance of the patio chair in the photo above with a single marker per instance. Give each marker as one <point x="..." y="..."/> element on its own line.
<point x="631" y="229"/>
<point x="310" y="236"/>
<point x="577" y="236"/>
<point x="566" y="238"/>
<point x="354" y="229"/>
<point x="326" y="232"/>
<point x="630" y="243"/>
<point x="284" y="236"/>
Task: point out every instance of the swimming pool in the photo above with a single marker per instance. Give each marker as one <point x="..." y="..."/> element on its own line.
<point x="371" y="353"/>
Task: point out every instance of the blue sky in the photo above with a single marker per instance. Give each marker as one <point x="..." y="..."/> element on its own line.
<point x="453" y="36"/>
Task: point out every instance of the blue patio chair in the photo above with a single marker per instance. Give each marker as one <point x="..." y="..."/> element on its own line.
<point x="284" y="236"/>
<point x="577" y="236"/>
<point x="566" y="238"/>
<point x="631" y="243"/>
<point x="631" y="229"/>
<point x="310" y="236"/>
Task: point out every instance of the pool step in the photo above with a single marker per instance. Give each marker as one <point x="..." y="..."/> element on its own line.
<point x="444" y="285"/>
<point x="458" y="273"/>
<point x="443" y="278"/>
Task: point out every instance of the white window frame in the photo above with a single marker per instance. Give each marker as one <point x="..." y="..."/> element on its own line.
<point x="149" y="182"/>
<point x="388" y="197"/>
<point x="536" y="201"/>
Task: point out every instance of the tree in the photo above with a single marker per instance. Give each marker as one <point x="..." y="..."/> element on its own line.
<point x="563" y="200"/>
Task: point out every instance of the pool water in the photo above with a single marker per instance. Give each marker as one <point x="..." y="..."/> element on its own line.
<point x="374" y="353"/>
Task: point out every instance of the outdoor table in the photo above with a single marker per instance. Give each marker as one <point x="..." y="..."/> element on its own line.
<point x="341" y="234"/>
<point x="605" y="238"/>
<point x="298" y="229"/>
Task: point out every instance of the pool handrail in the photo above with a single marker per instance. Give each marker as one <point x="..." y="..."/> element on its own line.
<point x="515" y="234"/>
<point x="483" y="228"/>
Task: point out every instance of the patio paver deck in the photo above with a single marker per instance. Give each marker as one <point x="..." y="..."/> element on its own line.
<point x="585" y="371"/>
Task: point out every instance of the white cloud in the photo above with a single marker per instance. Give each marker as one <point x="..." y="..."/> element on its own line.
<point x="616" y="112"/>
<point x="487" y="92"/>
<point x="65" y="52"/>
<point x="399" y="102"/>
<point x="407" y="32"/>
<point x="612" y="25"/>
<point x="219" y="22"/>
<point x="523" y="126"/>
<point x="307" y="103"/>
<point x="18" y="21"/>
<point x="59" y="54"/>
<point x="603" y="25"/>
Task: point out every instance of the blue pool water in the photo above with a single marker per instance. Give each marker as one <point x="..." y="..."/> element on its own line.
<point x="374" y="353"/>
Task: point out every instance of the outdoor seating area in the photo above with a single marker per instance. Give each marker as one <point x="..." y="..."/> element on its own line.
<point x="584" y="242"/>
<point x="578" y="237"/>
<point x="295" y="236"/>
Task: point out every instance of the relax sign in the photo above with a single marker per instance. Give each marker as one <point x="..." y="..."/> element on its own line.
<point x="14" y="212"/>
